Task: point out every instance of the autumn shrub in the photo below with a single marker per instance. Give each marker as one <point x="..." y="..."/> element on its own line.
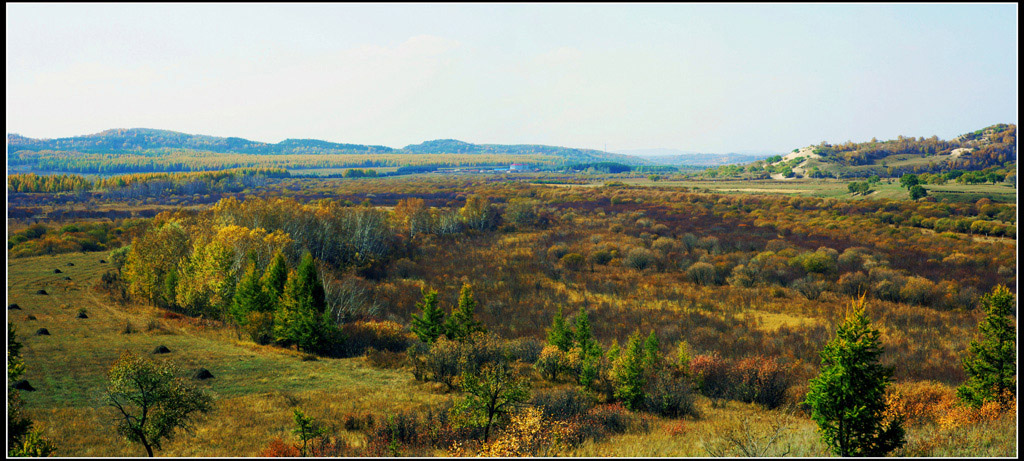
<point x="809" y="287"/>
<point x="762" y="380"/>
<point x="554" y="364"/>
<point x="573" y="261"/>
<point x="669" y="393"/>
<point x="526" y="350"/>
<point x="558" y="250"/>
<point x="713" y="375"/>
<point x="853" y="283"/>
<point x="638" y="258"/>
<point x="562" y="404"/>
<point x="379" y="335"/>
<point x="601" y="257"/>
<point x="701" y="273"/>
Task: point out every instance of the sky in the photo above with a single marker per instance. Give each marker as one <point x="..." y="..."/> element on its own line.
<point x="706" y="78"/>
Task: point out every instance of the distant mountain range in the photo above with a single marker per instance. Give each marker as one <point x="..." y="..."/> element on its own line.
<point x="137" y="140"/>
<point x="664" y="156"/>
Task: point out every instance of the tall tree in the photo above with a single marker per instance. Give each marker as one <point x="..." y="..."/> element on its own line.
<point x="430" y="324"/>
<point x="250" y="296"/>
<point x="302" y="318"/>
<point x="628" y="373"/>
<point x="847" y="398"/>
<point x="276" y="276"/>
<point x="991" y="361"/>
<point x="150" y="402"/>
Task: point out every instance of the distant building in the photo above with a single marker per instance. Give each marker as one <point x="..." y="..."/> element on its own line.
<point x="517" y="167"/>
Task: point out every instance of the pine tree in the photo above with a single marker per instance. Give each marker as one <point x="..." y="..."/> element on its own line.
<point x="429" y="325"/>
<point x="461" y="324"/>
<point x="847" y="398"/>
<point x="628" y="373"/>
<point x="560" y="334"/>
<point x="992" y="359"/>
<point x="276" y="276"/>
<point x="302" y="318"/>
<point x="584" y="337"/>
<point x="652" y="352"/>
<point x="250" y="296"/>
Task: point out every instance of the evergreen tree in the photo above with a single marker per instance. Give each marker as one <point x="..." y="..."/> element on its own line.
<point x="250" y="296"/>
<point x="302" y="318"/>
<point x="560" y="334"/>
<point x="847" y="398"/>
<point x="583" y="336"/>
<point x="429" y="325"/>
<point x="992" y="359"/>
<point x="276" y="276"/>
<point x="628" y="373"/>
<point x="652" y="352"/>
<point x="461" y="324"/>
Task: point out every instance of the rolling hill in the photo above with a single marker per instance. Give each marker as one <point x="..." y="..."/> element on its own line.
<point x="149" y="150"/>
<point x="993" y="146"/>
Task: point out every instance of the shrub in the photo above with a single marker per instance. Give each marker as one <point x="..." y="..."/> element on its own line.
<point x="601" y="257"/>
<point x="713" y="375"/>
<point x="553" y="364"/>
<point x="562" y="404"/>
<point x="638" y="258"/>
<point x="669" y="393"/>
<point x="761" y="380"/>
<point x="573" y="261"/>
<point x="379" y="335"/>
<point x="701" y="273"/>
<point x="558" y="250"/>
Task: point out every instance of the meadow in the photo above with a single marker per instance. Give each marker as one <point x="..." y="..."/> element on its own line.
<point x="734" y="270"/>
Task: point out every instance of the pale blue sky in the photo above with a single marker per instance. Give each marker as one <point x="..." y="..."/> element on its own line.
<point x="710" y="78"/>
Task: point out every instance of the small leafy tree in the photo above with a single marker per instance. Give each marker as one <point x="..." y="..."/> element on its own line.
<point x="461" y="324"/>
<point x="308" y="430"/>
<point x="847" y="398"/>
<point x="991" y="361"/>
<point x="429" y="325"/>
<point x="917" y="192"/>
<point x="150" y="402"/>
<point x="495" y="391"/>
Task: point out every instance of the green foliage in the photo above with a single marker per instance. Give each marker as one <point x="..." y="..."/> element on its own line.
<point x="991" y="361"/>
<point x="909" y="180"/>
<point x="151" y="403"/>
<point x="250" y="296"/>
<point x="493" y="392"/>
<point x="461" y="324"/>
<point x="22" y="440"/>
<point x="308" y="430"/>
<point x="628" y="373"/>
<point x="302" y="317"/>
<point x="276" y="276"/>
<point x="917" y="191"/>
<point x="560" y="334"/>
<point x="430" y="324"/>
<point x="847" y="398"/>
